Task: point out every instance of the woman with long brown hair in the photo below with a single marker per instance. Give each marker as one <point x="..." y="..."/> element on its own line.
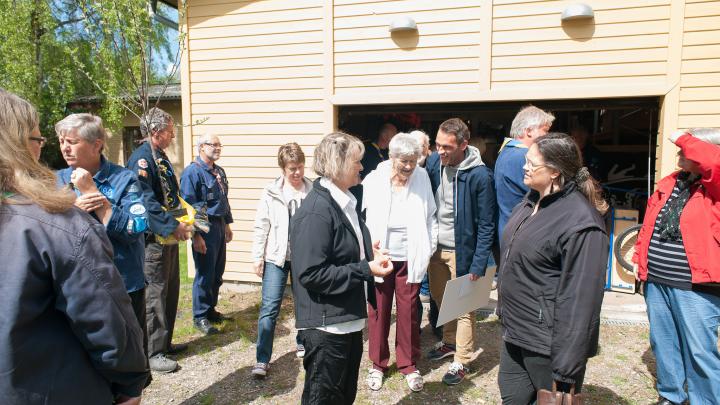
<point x="552" y="274"/>
<point x="58" y="287"/>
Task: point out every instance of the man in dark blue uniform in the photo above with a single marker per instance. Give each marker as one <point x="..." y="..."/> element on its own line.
<point x="204" y="185"/>
<point x="162" y="201"/>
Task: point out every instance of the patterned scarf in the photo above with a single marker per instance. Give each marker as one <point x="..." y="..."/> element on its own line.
<point x="670" y="221"/>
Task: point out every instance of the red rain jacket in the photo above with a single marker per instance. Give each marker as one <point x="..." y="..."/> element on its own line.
<point x="700" y="219"/>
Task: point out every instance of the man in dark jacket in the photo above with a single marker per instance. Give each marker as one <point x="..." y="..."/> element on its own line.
<point x="162" y="273"/>
<point x="465" y="198"/>
<point x="204" y="185"/>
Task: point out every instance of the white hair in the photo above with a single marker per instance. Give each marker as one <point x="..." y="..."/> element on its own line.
<point x="528" y="118"/>
<point x="403" y="144"/>
<point x="87" y="126"/>
<point x="421" y="137"/>
<point x="709" y="135"/>
<point x="203" y="139"/>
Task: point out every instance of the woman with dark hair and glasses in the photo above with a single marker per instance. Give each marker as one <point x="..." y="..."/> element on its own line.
<point x="552" y="274"/>
<point x="677" y="254"/>
<point x="271" y="247"/>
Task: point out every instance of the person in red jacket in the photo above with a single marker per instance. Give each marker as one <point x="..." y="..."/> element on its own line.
<point x="677" y="254"/>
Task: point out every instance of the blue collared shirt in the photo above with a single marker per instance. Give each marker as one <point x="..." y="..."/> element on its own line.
<point x="128" y="221"/>
<point x="200" y="186"/>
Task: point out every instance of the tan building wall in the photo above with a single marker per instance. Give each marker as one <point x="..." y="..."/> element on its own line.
<point x="262" y="73"/>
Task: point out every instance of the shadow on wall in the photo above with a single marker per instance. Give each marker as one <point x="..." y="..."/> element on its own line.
<point x="579" y="30"/>
<point x="406" y="40"/>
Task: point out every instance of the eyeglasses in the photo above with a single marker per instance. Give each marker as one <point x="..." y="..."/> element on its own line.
<point x="532" y="166"/>
<point x="39" y="139"/>
<point x="213" y="145"/>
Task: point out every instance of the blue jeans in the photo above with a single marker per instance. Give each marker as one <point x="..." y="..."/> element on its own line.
<point x="273" y="286"/>
<point x="684" y="337"/>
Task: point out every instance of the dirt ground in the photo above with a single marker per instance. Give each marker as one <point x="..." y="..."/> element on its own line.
<point x="216" y="369"/>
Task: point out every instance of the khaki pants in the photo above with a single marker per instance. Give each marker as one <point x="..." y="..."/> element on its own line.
<point x="460" y="331"/>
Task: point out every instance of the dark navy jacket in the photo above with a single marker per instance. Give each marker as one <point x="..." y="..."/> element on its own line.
<point x="199" y="187"/>
<point x="128" y="221"/>
<point x="68" y="333"/>
<point x="141" y="162"/>
<point x="475" y="215"/>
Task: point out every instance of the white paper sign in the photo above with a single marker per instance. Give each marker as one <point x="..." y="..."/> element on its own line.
<point x="463" y="295"/>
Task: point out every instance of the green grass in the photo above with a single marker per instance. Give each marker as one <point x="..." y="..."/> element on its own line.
<point x="240" y="327"/>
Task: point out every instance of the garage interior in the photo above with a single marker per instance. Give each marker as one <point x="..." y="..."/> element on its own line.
<point x="621" y="141"/>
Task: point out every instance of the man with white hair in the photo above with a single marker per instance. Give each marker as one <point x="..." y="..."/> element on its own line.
<point x="204" y="185"/>
<point x="529" y="124"/>
<point x="424" y="141"/>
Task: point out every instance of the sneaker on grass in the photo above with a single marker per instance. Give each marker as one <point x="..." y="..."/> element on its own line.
<point x="300" y="351"/>
<point x="440" y="351"/>
<point x="260" y="370"/>
<point x="455" y="374"/>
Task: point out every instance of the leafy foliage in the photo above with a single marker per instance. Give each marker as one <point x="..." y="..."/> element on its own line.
<point x="54" y="51"/>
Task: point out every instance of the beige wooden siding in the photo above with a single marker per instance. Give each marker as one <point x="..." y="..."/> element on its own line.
<point x="444" y="54"/>
<point x="700" y="72"/>
<point x="256" y="80"/>
<point x="626" y="46"/>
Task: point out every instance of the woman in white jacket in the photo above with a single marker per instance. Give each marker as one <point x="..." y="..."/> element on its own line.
<point x="271" y="250"/>
<point x="400" y="211"/>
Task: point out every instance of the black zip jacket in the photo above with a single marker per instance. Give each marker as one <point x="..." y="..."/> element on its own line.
<point x="328" y="274"/>
<point x="552" y="277"/>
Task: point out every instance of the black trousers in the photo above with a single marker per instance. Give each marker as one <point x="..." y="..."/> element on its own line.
<point x="332" y="364"/>
<point x="137" y="298"/>
<point x="162" y="274"/>
<point x="523" y="372"/>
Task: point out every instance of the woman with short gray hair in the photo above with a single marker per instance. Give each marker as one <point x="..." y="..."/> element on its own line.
<point x="333" y="265"/>
<point x="112" y="195"/>
<point x="400" y="211"/>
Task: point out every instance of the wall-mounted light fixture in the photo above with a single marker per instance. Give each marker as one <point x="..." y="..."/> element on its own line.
<point x="577" y="11"/>
<point x="403" y="23"/>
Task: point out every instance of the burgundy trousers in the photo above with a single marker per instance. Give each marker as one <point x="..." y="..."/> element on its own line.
<point x="407" y="331"/>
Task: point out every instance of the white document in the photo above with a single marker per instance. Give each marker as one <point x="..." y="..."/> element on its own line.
<point x="463" y="295"/>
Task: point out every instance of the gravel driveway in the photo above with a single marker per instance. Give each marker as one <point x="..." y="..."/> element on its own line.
<point x="216" y="370"/>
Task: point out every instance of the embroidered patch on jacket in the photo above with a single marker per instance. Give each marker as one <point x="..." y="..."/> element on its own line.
<point x="142" y="172"/>
<point x="143" y="163"/>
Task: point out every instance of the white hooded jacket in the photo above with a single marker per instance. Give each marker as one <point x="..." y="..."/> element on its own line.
<point x="272" y="223"/>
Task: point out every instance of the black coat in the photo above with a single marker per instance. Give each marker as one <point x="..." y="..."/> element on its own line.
<point x="328" y="274"/>
<point x="552" y="276"/>
<point x="68" y="334"/>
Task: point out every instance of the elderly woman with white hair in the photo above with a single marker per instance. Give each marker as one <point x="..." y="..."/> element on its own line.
<point x="400" y="211"/>
<point x="111" y="194"/>
<point x="204" y="185"/>
<point x="333" y="263"/>
<point x="677" y="254"/>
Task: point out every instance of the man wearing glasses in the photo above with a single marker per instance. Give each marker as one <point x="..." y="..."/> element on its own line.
<point x="204" y="185"/>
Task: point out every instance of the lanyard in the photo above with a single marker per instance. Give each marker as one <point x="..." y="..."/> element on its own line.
<point x="377" y="148"/>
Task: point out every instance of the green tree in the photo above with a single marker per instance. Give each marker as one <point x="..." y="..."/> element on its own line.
<point x="52" y="51"/>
